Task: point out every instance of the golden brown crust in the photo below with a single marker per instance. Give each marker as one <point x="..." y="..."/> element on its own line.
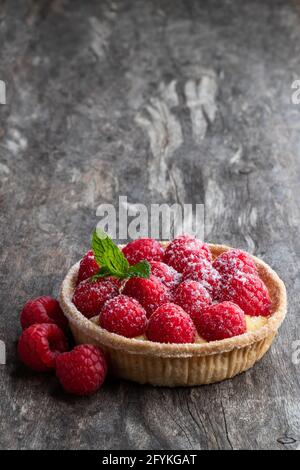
<point x="115" y="342"/>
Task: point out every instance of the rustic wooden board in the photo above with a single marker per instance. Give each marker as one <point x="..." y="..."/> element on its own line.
<point x="170" y="101"/>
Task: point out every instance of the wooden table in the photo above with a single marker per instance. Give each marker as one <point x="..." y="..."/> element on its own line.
<point x="162" y="101"/>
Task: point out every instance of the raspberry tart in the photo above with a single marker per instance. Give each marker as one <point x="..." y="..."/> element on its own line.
<point x="181" y="313"/>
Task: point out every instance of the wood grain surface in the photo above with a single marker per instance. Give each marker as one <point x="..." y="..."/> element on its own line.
<point x="161" y="101"/>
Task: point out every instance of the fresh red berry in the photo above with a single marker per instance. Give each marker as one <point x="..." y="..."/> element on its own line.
<point x="124" y="316"/>
<point x="204" y="272"/>
<point x="88" y="267"/>
<point x="90" y="296"/>
<point x="192" y="297"/>
<point x="82" y="371"/>
<point x="166" y="274"/>
<point x="42" y="310"/>
<point x="248" y="291"/>
<point x="40" y="344"/>
<point x="191" y="243"/>
<point x="171" y="324"/>
<point x="185" y="250"/>
<point x="221" y="321"/>
<point x="150" y="293"/>
<point x="232" y="261"/>
<point x="187" y="241"/>
<point x="180" y="258"/>
<point x="143" y="249"/>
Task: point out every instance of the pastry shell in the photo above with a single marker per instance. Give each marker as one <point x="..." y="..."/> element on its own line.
<point x="180" y="364"/>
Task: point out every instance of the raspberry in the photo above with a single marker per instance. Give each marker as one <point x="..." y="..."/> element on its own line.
<point x="171" y="324"/>
<point x="204" y="272"/>
<point x="143" y="249"/>
<point x="232" y="261"/>
<point x="166" y="274"/>
<point x="249" y="292"/>
<point x="40" y="344"/>
<point x="192" y="297"/>
<point x="221" y="321"/>
<point x="187" y="241"/>
<point x="88" y="267"/>
<point x="90" y="296"/>
<point x="83" y="370"/>
<point x="150" y="293"/>
<point x="185" y="250"/>
<point x="124" y="316"/>
<point x="42" y="310"/>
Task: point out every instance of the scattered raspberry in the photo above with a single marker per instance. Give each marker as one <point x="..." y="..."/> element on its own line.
<point x="150" y="293"/>
<point x="42" y="310"/>
<point x="185" y="250"/>
<point x="166" y="274"/>
<point x="90" y="296"/>
<point x="221" y="321"/>
<point x="83" y="370"/>
<point x="40" y="344"/>
<point x="192" y="296"/>
<point x="249" y="292"/>
<point x="233" y="261"/>
<point x="204" y="272"/>
<point x="171" y="324"/>
<point x="88" y="267"/>
<point x="143" y="249"/>
<point x="124" y="316"/>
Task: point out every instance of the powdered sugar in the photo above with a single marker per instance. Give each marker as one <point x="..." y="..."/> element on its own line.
<point x="171" y="324"/>
<point x="248" y="291"/>
<point x="221" y="321"/>
<point x="88" y="267"/>
<point x="233" y="262"/>
<point x="192" y="297"/>
<point x="204" y="272"/>
<point x="150" y="293"/>
<point x="167" y="275"/>
<point x="185" y="250"/>
<point x="89" y="297"/>
<point x="143" y="249"/>
<point x="124" y="316"/>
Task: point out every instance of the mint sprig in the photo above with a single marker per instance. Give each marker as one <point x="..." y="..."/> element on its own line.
<point x="140" y="269"/>
<point x="112" y="262"/>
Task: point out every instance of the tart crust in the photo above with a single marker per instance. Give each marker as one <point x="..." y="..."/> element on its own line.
<point x="180" y="364"/>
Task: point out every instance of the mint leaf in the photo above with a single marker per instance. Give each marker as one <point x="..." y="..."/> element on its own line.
<point x="141" y="269"/>
<point x="112" y="262"/>
<point x="103" y="272"/>
<point x="108" y="255"/>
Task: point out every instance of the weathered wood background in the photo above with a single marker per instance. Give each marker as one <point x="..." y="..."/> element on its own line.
<point x="163" y="100"/>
